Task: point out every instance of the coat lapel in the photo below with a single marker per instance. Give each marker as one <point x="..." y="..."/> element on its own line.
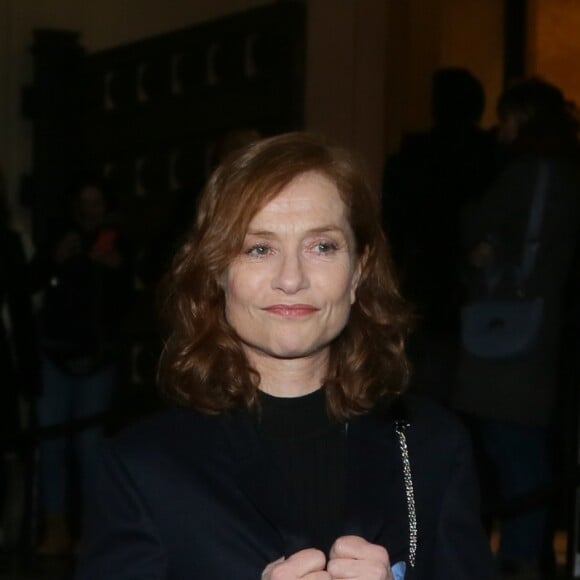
<point x="375" y="495"/>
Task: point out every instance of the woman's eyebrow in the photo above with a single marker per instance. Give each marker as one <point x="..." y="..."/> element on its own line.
<point x="317" y="230"/>
<point x="260" y="233"/>
<point x="327" y="229"/>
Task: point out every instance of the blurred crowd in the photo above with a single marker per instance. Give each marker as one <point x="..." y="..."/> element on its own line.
<point x="484" y="228"/>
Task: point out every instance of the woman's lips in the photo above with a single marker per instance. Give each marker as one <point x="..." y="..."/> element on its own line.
<point x="291" y="310"/>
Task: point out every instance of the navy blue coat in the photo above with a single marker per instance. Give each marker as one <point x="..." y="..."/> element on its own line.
<point x="185" y="496"/>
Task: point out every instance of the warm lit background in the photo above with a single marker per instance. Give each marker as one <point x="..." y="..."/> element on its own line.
<point x="369" y="62"/>
<point x="554" y="43"/>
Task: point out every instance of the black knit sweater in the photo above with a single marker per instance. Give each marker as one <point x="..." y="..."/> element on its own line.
<point x="310" y="449"/>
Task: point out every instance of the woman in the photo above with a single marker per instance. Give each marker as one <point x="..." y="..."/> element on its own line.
<point x="511" y="402"/>
<point x="287" y="458"/>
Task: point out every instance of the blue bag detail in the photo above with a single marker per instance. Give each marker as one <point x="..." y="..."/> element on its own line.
<point x="501" y="329"/>
<point x="399" y="570"/>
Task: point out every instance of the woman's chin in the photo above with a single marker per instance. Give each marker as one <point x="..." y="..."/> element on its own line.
<point x="286" y="351"/>
<point x="298" y="351"/>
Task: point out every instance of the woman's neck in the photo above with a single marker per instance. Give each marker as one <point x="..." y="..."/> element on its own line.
<point x="290" y="377"/>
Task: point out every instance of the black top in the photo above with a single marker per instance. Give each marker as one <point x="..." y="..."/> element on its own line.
<point x="310" y="449"/>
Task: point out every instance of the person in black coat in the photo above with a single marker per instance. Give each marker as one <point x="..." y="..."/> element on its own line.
<point x="19" y="357"/>
<point x="290" y="452"/>
<point x="511" y="401"/>
<point x="83" y="274"/>
<point x="426" y="185"/>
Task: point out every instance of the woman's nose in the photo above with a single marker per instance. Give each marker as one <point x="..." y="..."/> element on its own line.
<point x="291" y="275"/>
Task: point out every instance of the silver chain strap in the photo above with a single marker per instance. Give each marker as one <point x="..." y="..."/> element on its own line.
<point x="400" y="428"/>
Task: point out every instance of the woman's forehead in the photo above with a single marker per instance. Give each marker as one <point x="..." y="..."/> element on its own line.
<point x="309" y="196"/>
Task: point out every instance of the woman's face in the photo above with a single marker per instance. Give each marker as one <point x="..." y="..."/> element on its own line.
<point x="289" y="292"/>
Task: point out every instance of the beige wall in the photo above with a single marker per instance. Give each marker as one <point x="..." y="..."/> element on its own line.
<point x="423" y="35"/>
<point x="554" y="44"/>
<point x="472" y="36"/>
<point x="4" y="80"/>
<point x="462" y="33"/>
<point x="369" y="62"/>
<point x="137" y="19"/>
<point x="424" y="56"/>
<point x="345" y="84"/>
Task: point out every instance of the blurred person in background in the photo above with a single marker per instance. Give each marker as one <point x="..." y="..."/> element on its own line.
<point x="426" y="185"/>
<point x="84" y="274"/>
<point x="19" y="357"/>
<point x="511" y="402"/>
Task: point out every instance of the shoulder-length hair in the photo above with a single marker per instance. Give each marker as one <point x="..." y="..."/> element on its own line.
<point x="203" y="364"/>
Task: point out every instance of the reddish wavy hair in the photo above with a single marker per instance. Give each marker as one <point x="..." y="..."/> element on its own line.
<point x="203" y="364"/>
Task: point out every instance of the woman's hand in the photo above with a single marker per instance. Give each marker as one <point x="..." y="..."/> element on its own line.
<point x="354" y="557"/>
<point x="308" y="564"/>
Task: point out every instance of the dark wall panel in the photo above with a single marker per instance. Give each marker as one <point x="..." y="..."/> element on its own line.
<point x="157" y="108"/>
<point x="147" y="116"/>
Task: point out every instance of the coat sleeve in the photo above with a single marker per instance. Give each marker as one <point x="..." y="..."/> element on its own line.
<point x="462" y="550"/>
<point x="121" y="540"/>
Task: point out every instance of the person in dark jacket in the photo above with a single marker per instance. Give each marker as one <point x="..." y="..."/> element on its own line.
<point x="19" y="357"/>
<point x="84" y="275"/>
<point x="426" y="184"/>
<point x="290" y="452"/>
<point x="511" y="402"/>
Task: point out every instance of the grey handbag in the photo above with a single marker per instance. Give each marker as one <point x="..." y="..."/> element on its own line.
<point x="505" y="329"/>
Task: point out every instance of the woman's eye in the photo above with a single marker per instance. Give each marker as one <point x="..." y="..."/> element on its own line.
<point x="325" y="247"/>
<point x="258" y="250"/>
